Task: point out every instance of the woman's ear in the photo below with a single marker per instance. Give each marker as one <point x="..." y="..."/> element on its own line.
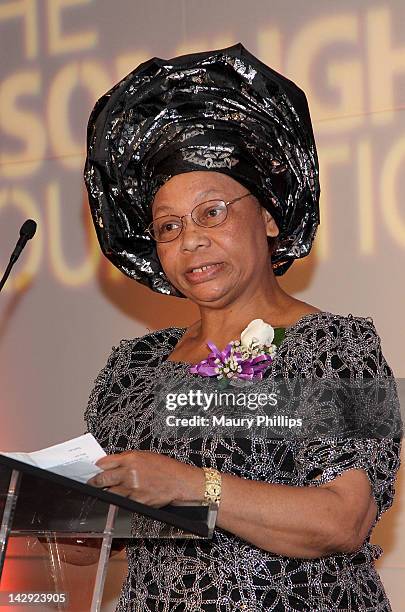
<point x="271" y="226"/>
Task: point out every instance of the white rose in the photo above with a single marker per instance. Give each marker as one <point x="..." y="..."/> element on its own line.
<point x="257" y="331"/>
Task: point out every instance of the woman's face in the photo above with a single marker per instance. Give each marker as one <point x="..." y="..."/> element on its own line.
<point x="238" y="247"/>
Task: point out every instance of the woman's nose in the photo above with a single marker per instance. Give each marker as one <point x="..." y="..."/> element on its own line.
<point x="192" y="235"/>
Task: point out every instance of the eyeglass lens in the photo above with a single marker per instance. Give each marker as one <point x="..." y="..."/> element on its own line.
<point x="206" y="214"/>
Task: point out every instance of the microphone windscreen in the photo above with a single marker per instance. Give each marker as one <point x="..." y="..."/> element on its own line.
<point x="28" y="229"/>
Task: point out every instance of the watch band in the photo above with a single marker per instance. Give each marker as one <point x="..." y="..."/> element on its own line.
<point x="213" y="481"/>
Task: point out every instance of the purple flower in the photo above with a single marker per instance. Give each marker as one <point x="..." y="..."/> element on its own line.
<point x="230" y="363"/>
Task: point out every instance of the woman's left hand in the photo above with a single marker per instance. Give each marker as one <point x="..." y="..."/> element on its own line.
<point x="149" y="478"/>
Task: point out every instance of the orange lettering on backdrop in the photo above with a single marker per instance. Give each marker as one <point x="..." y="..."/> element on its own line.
<point x="269" y="48"/>
<point x="343" y="76"/>
<point x="384" y="64"/>
<point x="60" y="42"/>
<point x="27" y="10"/>
<point x="328" y="158"/>
<point x="391" y="194"/>
<point x="366" y="187"/>
<point x="66" y="274"/>
<point x="370" y="55"/>
<point x="87" y="74"/>
<point x="22" y="125"/>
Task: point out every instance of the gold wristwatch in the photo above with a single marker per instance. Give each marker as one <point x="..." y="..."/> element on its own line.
<point x="212" y="494"/>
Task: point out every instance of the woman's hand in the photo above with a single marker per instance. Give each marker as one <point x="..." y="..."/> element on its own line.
<point x="149" y="478"/>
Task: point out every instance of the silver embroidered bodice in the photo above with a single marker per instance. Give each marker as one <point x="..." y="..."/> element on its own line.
<point x="228" y="573"/>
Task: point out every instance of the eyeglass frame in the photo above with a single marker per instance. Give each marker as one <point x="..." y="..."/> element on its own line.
<point x="190" y="214"/>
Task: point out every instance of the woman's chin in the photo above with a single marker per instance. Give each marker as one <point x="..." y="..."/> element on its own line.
<point x="209" y="290"/>
<point x="205" y="293"/>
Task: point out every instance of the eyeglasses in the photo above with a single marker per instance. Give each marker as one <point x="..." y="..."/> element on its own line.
<point x="206" y="214"/>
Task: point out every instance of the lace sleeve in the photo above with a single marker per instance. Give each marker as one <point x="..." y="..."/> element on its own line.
<point x="102" y="388"/>
<point x="321" y="460"/>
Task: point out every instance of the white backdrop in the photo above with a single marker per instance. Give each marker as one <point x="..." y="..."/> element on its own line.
<point x="65" y="306"/>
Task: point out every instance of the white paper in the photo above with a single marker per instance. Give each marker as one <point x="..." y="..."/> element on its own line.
<point x="75" y="458"/>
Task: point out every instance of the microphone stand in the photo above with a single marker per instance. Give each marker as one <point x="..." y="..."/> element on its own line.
<point x="6" y="274"/>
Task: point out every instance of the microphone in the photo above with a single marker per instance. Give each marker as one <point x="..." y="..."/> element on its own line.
<point x="27" y="231"/>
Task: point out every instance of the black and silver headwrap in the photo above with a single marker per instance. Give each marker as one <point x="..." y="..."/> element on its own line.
<point x="223" y="111"/>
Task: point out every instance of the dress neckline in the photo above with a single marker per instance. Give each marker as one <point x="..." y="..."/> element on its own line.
<point x="288" y="329"/>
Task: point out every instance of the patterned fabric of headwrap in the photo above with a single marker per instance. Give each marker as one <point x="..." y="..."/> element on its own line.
<point x="222" y="111"/>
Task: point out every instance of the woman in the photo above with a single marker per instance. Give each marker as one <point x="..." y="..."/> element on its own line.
<point x="203" y="182"/>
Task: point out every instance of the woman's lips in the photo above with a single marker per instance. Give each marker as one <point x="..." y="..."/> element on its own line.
<point x="204" y="275"/>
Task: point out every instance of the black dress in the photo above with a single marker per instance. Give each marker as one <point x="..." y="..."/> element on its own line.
<point x="228" y="573"/>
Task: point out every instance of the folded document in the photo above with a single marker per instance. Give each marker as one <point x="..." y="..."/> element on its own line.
<point x="75" y="458"/>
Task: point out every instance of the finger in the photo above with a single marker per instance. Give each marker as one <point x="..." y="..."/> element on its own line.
<point x="108" y="478"/>
<point x="108" y="462"/>
<point x="112" y="461"/>
<point x="124" y="476"/>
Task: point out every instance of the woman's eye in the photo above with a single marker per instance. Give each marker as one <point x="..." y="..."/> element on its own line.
<point x="213" y="211"/>
<point x="168" y="227"/>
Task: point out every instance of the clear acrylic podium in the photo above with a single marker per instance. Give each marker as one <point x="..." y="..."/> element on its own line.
<point x="57" y="535"/>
